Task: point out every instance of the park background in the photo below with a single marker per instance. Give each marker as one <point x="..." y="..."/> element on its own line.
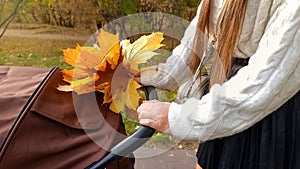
<point x="34" y="33"/>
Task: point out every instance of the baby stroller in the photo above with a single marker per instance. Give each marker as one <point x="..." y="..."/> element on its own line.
<point x="40" y="129"/>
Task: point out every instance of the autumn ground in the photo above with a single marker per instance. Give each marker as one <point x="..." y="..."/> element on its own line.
<point x="41" y="46"/>
<point x="38" y="45"/>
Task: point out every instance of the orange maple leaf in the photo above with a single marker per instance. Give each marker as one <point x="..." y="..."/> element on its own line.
<point x="71" y="55"/>
<point x="87" y="61"/>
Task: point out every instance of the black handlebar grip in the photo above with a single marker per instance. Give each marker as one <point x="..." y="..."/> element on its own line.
<point x="131" y="143"/>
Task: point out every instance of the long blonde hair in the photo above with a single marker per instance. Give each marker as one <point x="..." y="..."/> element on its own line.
<point x="227" y="31"/>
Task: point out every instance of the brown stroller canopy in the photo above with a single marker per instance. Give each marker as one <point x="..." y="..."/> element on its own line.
<point x="40" y="129"/>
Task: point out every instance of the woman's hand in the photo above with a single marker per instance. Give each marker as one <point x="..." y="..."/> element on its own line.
<point x="154" y="114"/>
<point x="137" y="78"/>
<point x="146" y="71"/>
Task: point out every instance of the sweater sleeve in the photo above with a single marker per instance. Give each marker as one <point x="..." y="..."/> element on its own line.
<point x="166" y="75"/>
<point x="271" y="78"/>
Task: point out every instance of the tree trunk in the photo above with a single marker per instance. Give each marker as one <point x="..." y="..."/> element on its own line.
<point x="5" y="23"/>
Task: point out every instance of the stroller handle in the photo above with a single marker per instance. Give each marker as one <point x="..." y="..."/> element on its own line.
<point x="131" y="143"/>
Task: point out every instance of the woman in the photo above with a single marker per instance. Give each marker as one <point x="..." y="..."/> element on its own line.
<point x="250" y="117"/>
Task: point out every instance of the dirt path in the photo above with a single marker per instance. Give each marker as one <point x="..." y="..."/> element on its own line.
<point x="42" y="34"/>
<point x="172" y="159"/>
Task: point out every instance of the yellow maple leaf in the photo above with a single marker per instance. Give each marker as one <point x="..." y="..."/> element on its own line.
<point x="141" y="50"/>
<point x="86" y="85"/>
<point x="141" y="57"/>
<point x="107" y="40"/>
<point x="107" y="93"/>
<point x="110" y="45"/>
<point x="113" y="56"/>
<point x="128" y="97"/>
<point x="131" y="96"/>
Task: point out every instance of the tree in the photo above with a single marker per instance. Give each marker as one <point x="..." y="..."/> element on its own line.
<point x="8" y="11"/>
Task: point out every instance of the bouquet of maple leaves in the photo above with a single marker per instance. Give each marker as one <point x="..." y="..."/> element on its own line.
<point x="96" y="67"/>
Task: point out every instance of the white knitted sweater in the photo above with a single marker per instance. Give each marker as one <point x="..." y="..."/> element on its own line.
<point x="270" y="37"/>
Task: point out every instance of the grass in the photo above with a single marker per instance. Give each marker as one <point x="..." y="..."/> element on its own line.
<point x="33" y="52"/>
<point x="20" y="59"/>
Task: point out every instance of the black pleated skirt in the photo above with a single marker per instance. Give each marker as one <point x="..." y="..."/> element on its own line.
<point x="272" y="143"/>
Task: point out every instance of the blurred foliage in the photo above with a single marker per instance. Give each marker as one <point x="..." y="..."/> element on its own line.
<point x="130" y="6"/>
<point x="96" y="13"/>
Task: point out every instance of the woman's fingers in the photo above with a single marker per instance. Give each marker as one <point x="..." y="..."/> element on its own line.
<point x="147" y="115"/>
<point x="145" y="121"/>
<point x="137" y="79"/>
<point x="154" y="114"/>
<point x="149" y="122"/>
<point x="145" y="106"/>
